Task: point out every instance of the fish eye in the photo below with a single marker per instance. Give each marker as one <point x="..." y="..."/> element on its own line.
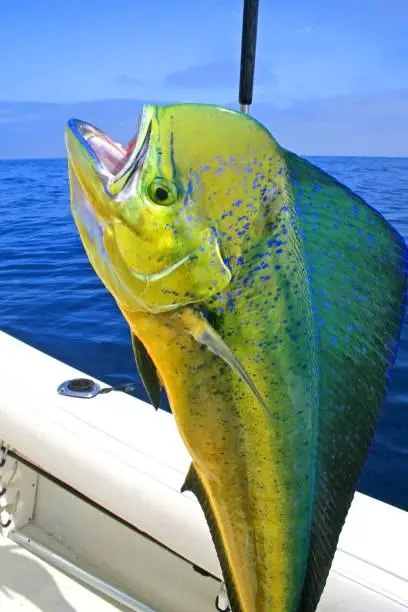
<point x="162" y="192"/>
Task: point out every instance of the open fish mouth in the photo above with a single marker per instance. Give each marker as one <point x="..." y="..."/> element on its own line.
<point x="116" y="166"/>
<point x="113" y="162"/>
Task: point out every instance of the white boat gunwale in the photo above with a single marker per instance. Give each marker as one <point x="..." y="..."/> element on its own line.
<point x="116" y="453"/>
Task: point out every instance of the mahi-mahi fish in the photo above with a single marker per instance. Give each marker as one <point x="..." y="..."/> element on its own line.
<point x="267" y="299"/>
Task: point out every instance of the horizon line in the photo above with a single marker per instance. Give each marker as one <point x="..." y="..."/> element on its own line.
<point x="306" y="155"/>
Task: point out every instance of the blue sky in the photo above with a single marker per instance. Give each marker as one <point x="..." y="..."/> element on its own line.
<point x="327" y="54"/>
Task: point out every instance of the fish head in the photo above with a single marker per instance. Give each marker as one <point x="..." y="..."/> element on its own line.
<point x="163" y="218"/>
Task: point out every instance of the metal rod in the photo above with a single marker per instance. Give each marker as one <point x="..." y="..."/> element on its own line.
<point x="248" y="52"/>
<point x="99" y="585"/>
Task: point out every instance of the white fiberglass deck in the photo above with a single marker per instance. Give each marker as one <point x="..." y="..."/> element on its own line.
<point x="28" y="584"/>
<point x="130" y="461"/>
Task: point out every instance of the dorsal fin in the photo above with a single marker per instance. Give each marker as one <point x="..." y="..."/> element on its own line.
<point x="357" y="268"/>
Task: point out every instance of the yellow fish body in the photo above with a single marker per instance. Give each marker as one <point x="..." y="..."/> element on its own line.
<point x="252" y="286"/>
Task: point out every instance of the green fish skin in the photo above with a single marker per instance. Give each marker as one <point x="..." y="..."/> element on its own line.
<point x="269" y="301"/>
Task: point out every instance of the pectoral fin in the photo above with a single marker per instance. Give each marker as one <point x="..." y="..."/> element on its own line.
<point x="147" y="371"/>
<point x="206" y="335"/>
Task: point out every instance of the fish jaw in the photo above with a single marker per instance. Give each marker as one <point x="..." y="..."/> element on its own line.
<point x="120" y="228"/>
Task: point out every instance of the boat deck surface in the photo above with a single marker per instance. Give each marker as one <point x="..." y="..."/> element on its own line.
<point x="28" y="584"/>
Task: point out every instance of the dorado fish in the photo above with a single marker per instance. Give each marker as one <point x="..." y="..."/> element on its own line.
<point x="267" y="299"/>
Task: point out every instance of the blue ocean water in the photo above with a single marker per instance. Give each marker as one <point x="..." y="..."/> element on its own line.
<point x="51" y="298"/>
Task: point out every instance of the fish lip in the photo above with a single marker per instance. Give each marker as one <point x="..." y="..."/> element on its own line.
<point x="114" y="163"/>
<point x="83" y="132"/>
